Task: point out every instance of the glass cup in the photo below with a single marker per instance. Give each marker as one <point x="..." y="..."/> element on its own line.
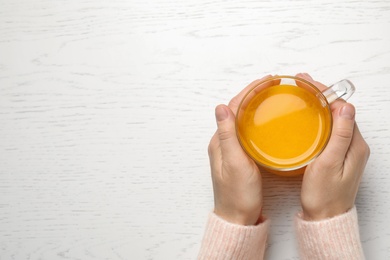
<point x="284" y="122"/>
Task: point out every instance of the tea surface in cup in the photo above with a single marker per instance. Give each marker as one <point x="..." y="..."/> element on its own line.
<point x="284" y="126"/>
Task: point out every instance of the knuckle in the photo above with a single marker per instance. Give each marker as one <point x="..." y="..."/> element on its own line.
<point x="224" y="134"/>
<point x="368" y="151"/>
<point x="365" y="150"/>
<point x="210" y="149"/>
<point x="344" y="132"/>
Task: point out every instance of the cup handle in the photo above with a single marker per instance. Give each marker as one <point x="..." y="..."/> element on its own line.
<point x="342" y="89"/>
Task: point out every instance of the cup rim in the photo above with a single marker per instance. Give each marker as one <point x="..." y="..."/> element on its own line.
<point x="285" y="169"/>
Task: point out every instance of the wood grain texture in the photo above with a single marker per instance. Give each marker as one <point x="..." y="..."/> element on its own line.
<point x="106" y="110"/>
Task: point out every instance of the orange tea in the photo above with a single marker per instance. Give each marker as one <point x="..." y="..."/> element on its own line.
<point x="284" y="126"/>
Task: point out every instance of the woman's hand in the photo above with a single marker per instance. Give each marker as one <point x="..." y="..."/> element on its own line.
<point x="236" y="178"/>
<point x="331" y="181"/>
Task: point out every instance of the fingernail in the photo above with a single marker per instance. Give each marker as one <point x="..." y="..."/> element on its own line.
<point x="221" y="113"/>
<point x="306" y="75"/>
<point x="347" y="111"/>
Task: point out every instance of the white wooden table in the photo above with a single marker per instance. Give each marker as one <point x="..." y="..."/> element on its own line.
<point x="107" y="108"/>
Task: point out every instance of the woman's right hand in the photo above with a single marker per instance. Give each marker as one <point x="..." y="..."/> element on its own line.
<point x="331" y="181"/>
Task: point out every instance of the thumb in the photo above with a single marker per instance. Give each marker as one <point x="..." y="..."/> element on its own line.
<point x="230" y="146"/>
<point x="342" y="132"/>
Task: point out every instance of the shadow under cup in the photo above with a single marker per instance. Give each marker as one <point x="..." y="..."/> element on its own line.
<point x="284" y="123"/>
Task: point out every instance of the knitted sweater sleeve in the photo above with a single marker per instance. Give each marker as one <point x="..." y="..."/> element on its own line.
<point x="224" y="240"/>
<point x="334" y="238"/>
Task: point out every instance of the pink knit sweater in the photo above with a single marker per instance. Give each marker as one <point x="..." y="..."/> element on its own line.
<point x="334" y="238"/>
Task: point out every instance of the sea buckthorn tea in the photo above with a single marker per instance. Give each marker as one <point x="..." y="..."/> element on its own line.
<point x="284" y="123"/>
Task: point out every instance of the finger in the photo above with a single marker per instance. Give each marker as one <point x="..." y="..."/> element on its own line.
<point x="235" y="102"/>
<point x="336" y="104"/>
<point x="230" y="147"/>
<point x="342" y="133"/>
<point x="214" y="152"/>
<point x="358" y="154"/>
<point x="307" y="77"/>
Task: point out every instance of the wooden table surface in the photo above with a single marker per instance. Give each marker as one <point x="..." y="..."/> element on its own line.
<point x="107" y="108"/>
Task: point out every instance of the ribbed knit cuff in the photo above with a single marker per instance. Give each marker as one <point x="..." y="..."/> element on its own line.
<point x="224" y="240"/>
<point x="334" y="238"/>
